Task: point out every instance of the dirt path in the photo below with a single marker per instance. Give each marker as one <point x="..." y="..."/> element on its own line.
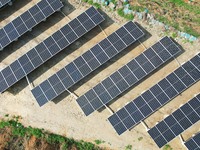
<point x="65" y="117"/>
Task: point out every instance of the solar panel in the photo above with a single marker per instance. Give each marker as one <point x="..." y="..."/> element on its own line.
<point x="193" y="143"/>
<point x="86" y="63"/>
<point x="177" y="122"/>
<point x="49" y="47"/>
<point x="128" y="75"/>
<point x="157" y="96"/>
<point x="4" y="2"/>
<point x="26" y="21"/>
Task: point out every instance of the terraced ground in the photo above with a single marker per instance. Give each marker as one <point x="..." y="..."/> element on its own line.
<point x="183" y="15"/>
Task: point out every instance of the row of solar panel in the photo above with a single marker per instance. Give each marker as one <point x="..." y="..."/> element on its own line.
<point x="193" y="143"/>
<point x="4" y="2"/>
<point x="49" y="47"/>
<point x="86" y="63"/>
<point x="177" y="122"/>
<point x="157" y="96"/>
<point x="26" y="21"/>
<point x="112" y="86"/>
<point x="128" y="75"/>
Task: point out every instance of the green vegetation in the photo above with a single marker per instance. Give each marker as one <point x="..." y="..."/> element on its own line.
<point x="114" y="1"/>
<point x="137" y="8"/>
<point x="174" y="35"/>
<point x="97" y="5"/>
<point x="128" y="147"/>
<point x="90" y="2"/>
<point x="85" y="1"/>
<point x="125" y="3"/>
<point x="20" y="131"/>
<point x="182" y="16"/>
<point x="167" y="147"/>
<point x="191" y="31"/>
<point x="126" y="16"/>
<point x="99" y="142"/>
<point x="181" y="3"/>
<point x="162" y="19"/>
<point x="140" y="138"/>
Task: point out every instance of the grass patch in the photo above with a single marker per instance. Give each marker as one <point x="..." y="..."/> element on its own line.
<point x="174" y="35"/>
<point x="97" y="5"/>
<point x="167" y="147"/>
<point x="126" y="16"/>
<point x="137" y="8"/>
<point x="162" y="19"/>
<point x="191" y="31"/>
<point x="90" y="2"/>
<point x="99" y="142"/>
<point x="140" y="138"/>
<point x="128" y="147"/>
<point x="191" y="8"/>
<point x="189" y="13"/>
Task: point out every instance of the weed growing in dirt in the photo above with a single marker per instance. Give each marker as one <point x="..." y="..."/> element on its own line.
<point x="99" y="142"/>
<point x="167" y="147"/>
<point x="128" y="147"/>
<point x="140" y="138"/>
<point x="126" y="16"/>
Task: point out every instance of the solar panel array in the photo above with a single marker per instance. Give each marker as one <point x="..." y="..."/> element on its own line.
<point x="4" y="2"/>
<point x="26" y="21"/>
<point x="157" y="96"/>
<point x="128" y="75"/>
<point x="177" y="122"/>
<point x="193" y="143"/>
<point x="49" y="47"/>
<point x="86" y="63"/>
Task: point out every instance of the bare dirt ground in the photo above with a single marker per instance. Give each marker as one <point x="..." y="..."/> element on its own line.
<point x="63" y="116"/>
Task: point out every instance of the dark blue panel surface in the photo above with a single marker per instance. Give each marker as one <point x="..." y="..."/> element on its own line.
<point x="43" y="52"/>
<point x="134" y="71"/>
<point x="177" y="122"/>
<point x="165" y="90"/>
<point x="4" y="3"/>
<point x="193" y="143"/>
<point x="26" y="21"/>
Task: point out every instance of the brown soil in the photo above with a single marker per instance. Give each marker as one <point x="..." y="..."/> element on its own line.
<point x="11" y="142"/>
<point x="4" y="137"/>
<point x="35" y="144"/>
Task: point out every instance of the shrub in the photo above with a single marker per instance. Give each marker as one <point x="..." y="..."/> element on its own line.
<point x="90" y="2"/>
<point x="97" y="5"/>
<point x="191" y="31"/>
<point x="128" y="147"/>
<point x="35" y="131"/>
<point x="99" y="142"/>
<point x="167" y="147"/>
<point x="137" y="8"/>
<point x="114" y="2"/>
<point x="126" y="16"/>
<point x="4" y="124"/>
<point x="140" y="138"/>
